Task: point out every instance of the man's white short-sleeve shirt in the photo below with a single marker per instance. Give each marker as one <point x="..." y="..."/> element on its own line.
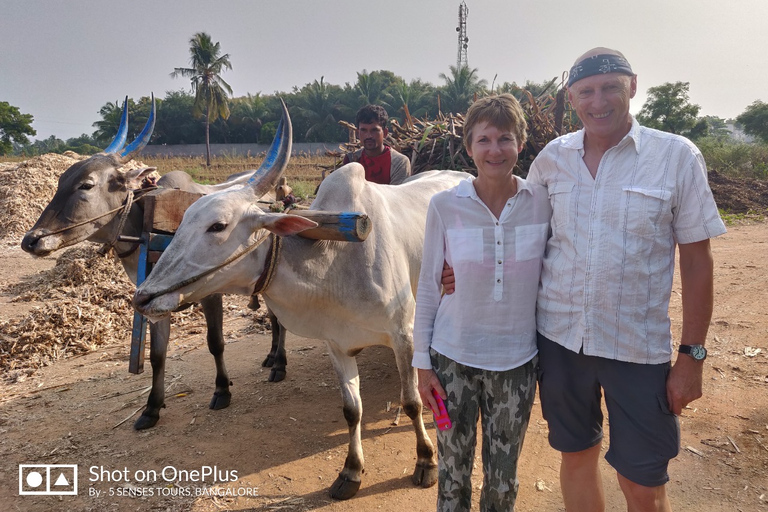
<point x="607" y="275"/>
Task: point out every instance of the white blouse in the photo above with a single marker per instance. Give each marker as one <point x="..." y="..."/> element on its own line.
<point x="489" y="322"/>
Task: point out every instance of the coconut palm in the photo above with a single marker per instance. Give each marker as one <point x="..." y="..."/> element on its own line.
<point x="318" y="109"/>
<point x="210" y="89"/>
<point x="460" y="88"/>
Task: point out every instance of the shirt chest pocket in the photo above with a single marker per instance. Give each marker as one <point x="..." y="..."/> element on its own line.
<point x="465" y="245"/>
<point x="643" y="210"/>
<point x="560" y="194"/>
<point x="530" y="241"/>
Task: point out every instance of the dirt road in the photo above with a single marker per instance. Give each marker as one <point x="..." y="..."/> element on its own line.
<point x="285" y="442"/>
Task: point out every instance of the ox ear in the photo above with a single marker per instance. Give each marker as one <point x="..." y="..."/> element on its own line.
<point x="283" y="224"/>
<point x="135" y="178"/>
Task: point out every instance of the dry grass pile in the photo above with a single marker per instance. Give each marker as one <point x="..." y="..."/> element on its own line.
<point x="439" y="143"/>
<point x="86" y="304"/>
<point x="26" y="189"/>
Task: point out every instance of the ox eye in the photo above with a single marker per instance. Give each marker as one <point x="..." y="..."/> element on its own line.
<point x="85" y="186"/>
<point x="218" y="227"/>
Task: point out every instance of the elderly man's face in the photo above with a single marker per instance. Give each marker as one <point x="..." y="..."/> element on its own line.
<point x="602" y="104"/>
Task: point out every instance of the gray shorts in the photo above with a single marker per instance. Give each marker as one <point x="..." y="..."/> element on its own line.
<point x="644" y="434"/>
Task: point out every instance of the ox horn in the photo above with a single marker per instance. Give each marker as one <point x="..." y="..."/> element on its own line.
<point x="266" y="176"/>
<point x="122" y="131"/>
<point x="143" y="138"/>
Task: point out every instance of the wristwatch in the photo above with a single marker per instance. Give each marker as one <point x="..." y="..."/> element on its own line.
<point x="697" y="352"/>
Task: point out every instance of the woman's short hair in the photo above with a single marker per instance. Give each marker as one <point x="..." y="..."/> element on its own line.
<point x="502" y="111"/>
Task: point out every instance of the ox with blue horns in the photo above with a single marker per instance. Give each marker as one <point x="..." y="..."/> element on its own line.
<point x="95" y="201"/>
<point x="352" y="295"/>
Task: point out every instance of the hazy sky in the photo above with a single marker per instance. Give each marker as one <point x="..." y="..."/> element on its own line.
<point x="61" y="61"/>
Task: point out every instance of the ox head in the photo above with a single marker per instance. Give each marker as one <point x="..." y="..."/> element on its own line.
<point x="90" y="193"/>
<point x="221" y="243"/>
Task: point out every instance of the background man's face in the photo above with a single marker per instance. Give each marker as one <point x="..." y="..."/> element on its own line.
<point x="372" y="136"/>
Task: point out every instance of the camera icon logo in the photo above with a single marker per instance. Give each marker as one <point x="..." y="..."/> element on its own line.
<point x="47" y="479"/>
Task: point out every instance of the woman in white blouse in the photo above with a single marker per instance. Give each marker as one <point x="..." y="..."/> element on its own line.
<point x="476" y="348"/>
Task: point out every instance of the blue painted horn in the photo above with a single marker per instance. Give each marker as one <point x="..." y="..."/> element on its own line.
<point x="126" y="153"/>
<point x="143" y="138"/>
<point x="270" y="170"/>
<point x="122" y="131"/>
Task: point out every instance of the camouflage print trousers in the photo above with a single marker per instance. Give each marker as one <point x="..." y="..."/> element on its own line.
<point x="503" y="400"/>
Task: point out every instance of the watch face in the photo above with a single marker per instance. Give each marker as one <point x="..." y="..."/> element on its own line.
<point x="698" y="352"/>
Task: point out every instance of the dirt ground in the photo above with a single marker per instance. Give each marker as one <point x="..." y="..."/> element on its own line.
<point x="285" y="442"/>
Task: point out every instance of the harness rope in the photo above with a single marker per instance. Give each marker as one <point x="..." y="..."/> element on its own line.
<point x="125" y="210"/>
<point x="226" y="262"/>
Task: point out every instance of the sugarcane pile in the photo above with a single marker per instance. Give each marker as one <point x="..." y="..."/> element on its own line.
<point x="439" y="143"/>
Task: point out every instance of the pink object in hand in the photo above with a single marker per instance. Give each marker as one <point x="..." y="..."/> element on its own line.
<point x="442" y="420"/>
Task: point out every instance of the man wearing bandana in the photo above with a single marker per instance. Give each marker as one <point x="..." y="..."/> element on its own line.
<point x="382" y="164"/>
<point x="623" y="197"/>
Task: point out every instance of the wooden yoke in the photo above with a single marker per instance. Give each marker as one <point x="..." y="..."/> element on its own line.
<point x="163" y="211"/>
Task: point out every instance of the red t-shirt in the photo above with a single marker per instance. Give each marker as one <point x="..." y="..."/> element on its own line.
<point x="377" y="168"/>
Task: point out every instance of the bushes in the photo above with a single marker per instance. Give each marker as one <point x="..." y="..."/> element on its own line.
<point x="735" y="158"/>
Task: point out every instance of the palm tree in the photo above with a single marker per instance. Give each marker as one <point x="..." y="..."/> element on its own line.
<point x="210" y="89"/>
<point x="106" y="128"/>
<point x="318" y="107"/>
<point x="460" y="88"/>
<point x="411" y="97"/>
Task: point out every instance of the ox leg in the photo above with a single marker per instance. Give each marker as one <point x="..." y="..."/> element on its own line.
<point x="277" y="359"/>
<point x="348" y="482"/>
<point x="425" y="473"/>
<point x="213" y="310"/>
<point x="159" y="333"/>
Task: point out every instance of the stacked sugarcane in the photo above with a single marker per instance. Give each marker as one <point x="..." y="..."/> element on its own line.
<point x="438" y="143"/>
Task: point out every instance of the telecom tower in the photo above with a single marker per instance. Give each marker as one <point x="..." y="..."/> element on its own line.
<point x="461" y="58"/>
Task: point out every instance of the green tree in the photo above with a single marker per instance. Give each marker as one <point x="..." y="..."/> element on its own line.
<point x="754" y="120"/>
<point x="246" y="118"/>
<point x="668" y="108"/>
<point x="318" y="109"/>
<point x="210" y="89"/>
<point x="175" y="123"/>
<point x="414" y="96"/>
<point x="14" y="126"/>
<point x="460" y="89"/>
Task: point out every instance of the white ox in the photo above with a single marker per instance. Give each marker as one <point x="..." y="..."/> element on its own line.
<point x="352" y="295"/>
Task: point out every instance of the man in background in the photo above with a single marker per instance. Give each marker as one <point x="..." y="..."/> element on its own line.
<point x="382" y="163"/>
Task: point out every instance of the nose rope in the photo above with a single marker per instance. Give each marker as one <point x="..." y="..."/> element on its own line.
<point x="201" y="275"/>
<point x="126" y="207"/>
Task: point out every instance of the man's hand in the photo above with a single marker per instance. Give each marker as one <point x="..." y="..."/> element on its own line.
<point x="427" y="382"/>
<point x="696" y="268"/>
<point x="448" y="280"/>
<point x="684" y="383"/>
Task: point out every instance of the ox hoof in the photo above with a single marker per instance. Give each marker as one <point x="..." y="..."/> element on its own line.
<point x="276" y="375"/>
<point x="220" y="400"/>
<point x="344" y="488"/>
<point x="268" y="362"/>
<point x="425" y="475"/>
<point x="146" y="421"/>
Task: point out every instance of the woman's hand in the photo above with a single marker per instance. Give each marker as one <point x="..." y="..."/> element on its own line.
<point x="427" y="382"/>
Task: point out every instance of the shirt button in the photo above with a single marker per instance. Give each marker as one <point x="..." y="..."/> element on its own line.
<point x="498" y="280"/>
<point x="498" y="242"/>
<point x="499" y="262"/>
<point x="497" y="223"/>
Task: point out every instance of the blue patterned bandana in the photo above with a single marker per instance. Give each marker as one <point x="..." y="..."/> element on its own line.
<point x="597" y="65"/>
